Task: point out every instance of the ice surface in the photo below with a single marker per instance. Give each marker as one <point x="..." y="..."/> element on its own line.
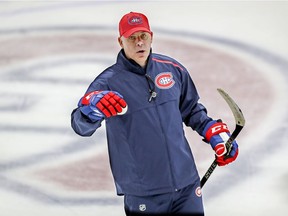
<point x="50" y="52"/>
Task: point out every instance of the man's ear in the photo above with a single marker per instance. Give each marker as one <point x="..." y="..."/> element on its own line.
<point x="120" y="42"/>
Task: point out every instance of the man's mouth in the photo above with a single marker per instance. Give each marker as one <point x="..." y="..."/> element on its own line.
<point x="141" y="51"/>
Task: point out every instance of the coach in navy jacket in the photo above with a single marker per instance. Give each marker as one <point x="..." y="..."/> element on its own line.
<point x="149" y="154"/>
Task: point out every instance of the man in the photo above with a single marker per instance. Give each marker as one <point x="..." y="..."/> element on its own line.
<point x="144" y="99"/>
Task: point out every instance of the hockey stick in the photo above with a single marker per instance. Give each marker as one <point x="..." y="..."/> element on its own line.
<point x="240" y="122"/>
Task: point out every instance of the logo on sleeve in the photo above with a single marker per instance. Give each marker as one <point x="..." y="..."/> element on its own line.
<point x="164" y="80"/>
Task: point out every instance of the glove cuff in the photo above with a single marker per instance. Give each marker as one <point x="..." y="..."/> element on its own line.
<point x="214" y="128"/>
<point x="93" y="114"/>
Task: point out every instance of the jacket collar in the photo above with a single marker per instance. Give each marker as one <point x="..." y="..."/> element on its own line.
<point x="130" y="64"/>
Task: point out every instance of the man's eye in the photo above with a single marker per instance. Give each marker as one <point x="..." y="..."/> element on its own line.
<point x="144" y="36"/>
<point x="132" y="38"/>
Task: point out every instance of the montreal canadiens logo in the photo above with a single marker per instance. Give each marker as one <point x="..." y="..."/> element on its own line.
<point x="198" y="192"/>
<point x="135" y="20"/>
<point x="164" y="80"/>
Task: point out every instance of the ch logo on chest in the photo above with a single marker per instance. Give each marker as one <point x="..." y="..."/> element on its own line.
<point x="164" y="80"/>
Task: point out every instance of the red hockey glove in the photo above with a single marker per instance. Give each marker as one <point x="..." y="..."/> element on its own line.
<point x="102" y="104"/>
<point x="217" y="134"/>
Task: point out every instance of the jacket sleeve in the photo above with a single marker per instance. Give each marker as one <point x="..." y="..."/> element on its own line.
<point x="82" y="125"/>
<point x="194" y="114"/>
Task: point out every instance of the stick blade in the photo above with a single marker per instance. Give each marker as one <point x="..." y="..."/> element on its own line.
<point x="238" y="115"/>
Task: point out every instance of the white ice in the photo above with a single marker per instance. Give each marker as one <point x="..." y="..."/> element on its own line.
<point x="36" y="101"/>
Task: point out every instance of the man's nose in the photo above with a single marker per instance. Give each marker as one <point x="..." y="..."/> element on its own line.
<point x="140" y="42"/>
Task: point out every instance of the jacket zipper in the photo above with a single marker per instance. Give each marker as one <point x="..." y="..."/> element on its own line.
<point x="153" y="95"/>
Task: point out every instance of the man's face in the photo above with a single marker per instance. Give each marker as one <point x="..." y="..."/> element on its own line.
<point x="137" y="46"/>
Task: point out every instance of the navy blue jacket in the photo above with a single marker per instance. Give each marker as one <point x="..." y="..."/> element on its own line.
<point x="148" y="151"/>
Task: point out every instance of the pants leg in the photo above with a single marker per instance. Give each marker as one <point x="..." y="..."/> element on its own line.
<point x="147" y="205"/>
<point x="188" y="201"/>
<point x="185" y="202"/>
